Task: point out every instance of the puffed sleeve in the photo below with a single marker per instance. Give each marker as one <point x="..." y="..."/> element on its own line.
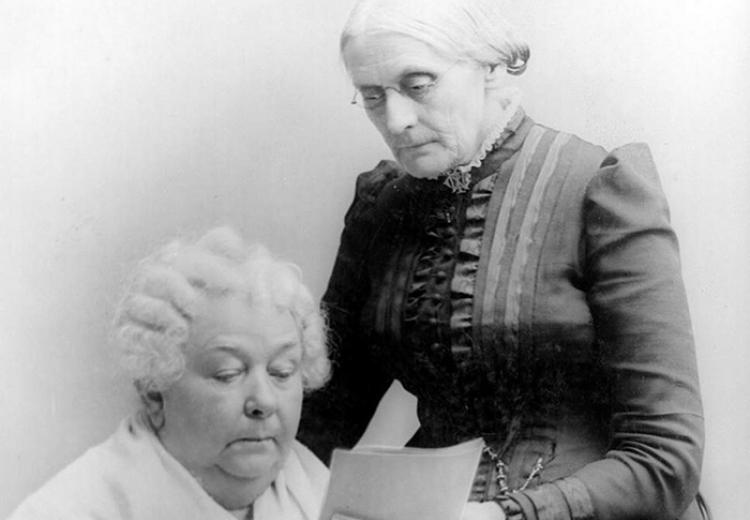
<point x="336" y="415"/>
<point x="640" y="314"/>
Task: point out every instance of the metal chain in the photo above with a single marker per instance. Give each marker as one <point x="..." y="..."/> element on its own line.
<point x="501" y="475"/>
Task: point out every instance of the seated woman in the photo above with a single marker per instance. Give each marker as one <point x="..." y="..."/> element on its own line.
<point x="220" y="340"/>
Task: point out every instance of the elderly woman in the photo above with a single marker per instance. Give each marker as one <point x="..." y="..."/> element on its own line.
<point x="221" y="340"/>
<point x="524" y="284"/>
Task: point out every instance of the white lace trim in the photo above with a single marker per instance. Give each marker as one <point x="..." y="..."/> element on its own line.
<point x="458" y="178"/>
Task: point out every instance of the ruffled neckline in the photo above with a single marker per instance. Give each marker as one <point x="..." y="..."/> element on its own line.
<point x="458" y="178"/>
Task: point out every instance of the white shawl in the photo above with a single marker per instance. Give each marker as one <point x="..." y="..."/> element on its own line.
<point x="131" y="476"/>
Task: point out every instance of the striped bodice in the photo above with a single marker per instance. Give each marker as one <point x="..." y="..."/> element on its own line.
<point x="475" y="296"/>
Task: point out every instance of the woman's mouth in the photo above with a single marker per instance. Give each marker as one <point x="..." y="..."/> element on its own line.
<point x="250" y="443"/>
<point x="417" y="145"/>
<point x="416" y="148"/>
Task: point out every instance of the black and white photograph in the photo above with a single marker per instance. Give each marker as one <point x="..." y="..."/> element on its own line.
<point x="375" y="260"/>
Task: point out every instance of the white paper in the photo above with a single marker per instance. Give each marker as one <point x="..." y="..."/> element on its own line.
<point x="401" y="484"/>
<point x="395" y="420"/>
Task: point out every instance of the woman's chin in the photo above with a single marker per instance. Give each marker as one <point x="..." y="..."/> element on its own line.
<point x="250" y="467"/>
<point x="422" y="171"/>
<point x="423" y="166"/>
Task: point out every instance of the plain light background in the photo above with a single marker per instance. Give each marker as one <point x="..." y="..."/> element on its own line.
<point x="123" y="124"/>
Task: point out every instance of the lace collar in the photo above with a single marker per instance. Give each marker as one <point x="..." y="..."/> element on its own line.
<point x="458" y="178"/>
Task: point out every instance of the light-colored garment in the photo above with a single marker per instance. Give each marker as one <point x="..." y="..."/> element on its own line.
<point x="131" y="476"/>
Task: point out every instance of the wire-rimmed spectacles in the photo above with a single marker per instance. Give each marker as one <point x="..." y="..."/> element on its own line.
<point x="417" y="86"/>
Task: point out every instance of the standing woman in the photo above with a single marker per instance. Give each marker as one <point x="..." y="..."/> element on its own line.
<point x="524" y="284"/>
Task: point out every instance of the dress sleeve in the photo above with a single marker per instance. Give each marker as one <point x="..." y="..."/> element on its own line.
<point x="640" y="315"/>
<point x="336" y="415"/>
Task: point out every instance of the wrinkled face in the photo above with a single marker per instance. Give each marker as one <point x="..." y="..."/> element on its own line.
<point x="232" y="417"/>
<point x="433" y="112"/>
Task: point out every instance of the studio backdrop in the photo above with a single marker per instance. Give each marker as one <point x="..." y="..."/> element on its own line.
<point x="123" y="124"/>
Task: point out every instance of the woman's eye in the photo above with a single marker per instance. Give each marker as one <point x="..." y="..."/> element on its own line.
<point x="283" y="373"/>
<point x="227" y="376"/>
<point x="371" y="94"/>
<point x="419" y="85"/>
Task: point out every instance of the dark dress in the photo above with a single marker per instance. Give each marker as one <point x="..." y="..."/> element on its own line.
<point x="543" y="310"/>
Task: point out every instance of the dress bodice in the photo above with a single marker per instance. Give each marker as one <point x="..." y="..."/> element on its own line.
<point x="542" y="310"/>
<point x="420" y="323"/>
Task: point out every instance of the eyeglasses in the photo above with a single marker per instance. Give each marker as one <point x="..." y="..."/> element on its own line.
<point x="417" y="86"/>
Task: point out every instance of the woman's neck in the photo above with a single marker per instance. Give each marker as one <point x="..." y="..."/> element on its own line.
<point x="232" y="493"/>
<point x="500" y="110"/>
<point x="243" y="514"/>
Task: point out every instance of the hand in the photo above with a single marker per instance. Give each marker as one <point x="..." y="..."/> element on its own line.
<point x="483" y="511"/>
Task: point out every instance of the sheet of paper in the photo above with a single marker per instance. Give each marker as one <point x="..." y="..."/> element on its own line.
<point x="395" y="420"/>
<point x="401" y="484"/>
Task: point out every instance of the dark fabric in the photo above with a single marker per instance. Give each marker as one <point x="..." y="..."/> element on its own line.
<point x="543" y="310"/>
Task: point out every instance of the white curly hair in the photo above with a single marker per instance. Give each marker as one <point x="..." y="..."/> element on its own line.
<point x="152" y="322"/>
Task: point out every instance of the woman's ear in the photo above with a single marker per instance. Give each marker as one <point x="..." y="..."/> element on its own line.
<point x="493" y="76"/>
<point x="153" y="405"/>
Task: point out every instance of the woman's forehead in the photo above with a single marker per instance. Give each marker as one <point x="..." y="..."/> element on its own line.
<point x="235" y="316"/>
<point x="372" y="57"/>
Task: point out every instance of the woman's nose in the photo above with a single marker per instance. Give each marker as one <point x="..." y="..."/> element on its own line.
<point x="261" y="401"/>
<point x="399" y="112"/>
